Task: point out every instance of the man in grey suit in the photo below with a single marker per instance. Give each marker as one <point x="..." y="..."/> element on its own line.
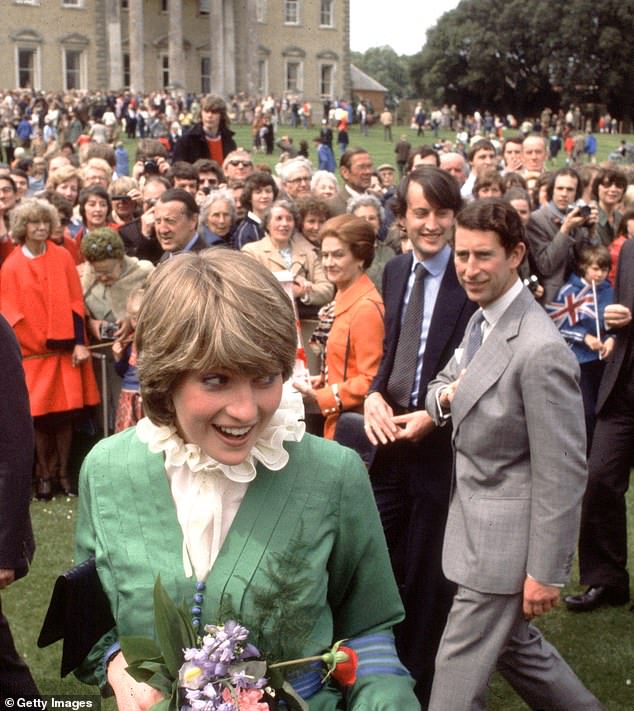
<point x="512" y="393"/>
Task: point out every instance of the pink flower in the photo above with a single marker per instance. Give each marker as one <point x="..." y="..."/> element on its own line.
<point x="248" y="699"/>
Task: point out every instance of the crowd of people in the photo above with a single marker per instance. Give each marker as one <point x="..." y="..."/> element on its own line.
<point x="468" y="283"/>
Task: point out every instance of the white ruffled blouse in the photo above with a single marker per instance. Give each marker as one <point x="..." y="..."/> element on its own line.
<point x="207" y="493"/>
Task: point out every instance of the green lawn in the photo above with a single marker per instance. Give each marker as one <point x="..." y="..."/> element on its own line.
<point x="598" y="645"/>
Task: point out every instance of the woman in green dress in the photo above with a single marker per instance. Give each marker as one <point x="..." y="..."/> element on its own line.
<point x="220" y="491"/>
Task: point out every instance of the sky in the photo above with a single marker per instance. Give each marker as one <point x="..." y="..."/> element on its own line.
<point x="401" y="24"/>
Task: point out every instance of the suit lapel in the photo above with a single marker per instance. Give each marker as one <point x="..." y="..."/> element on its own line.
<point x="394" y="295"/>
<point x="491" y="360"/>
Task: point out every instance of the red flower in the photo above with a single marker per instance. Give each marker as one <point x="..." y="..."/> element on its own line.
<point x="345" y="671"/>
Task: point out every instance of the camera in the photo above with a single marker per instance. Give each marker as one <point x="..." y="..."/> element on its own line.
<point x="107" y="331"/>
<point x="151" y="167"/>
<point x="584" y="208"/>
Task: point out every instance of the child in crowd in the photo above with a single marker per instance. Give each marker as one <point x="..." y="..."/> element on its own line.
<point x="130" y="407"/>
<point x="575" y="313"/>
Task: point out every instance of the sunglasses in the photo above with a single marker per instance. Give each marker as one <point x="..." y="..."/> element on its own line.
<point x="242" y="163"/>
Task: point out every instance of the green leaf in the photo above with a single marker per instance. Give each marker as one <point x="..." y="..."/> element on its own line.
<point x="138" y="649"/>
<point x="190" y="631"/>
<point x="171" y="632"/>
<point x="162" y="705"/>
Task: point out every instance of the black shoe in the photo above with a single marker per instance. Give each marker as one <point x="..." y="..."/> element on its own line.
<point x="43" y="490"/>
<point x="595" y="596"/>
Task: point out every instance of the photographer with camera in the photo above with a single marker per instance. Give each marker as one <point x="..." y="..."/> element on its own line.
<point x="559" y="229"/>
<point x="150" y="160"/>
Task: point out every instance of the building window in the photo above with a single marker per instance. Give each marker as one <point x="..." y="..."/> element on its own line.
<point x="28" y="68"/>
<point x="327" y="13"/>
<point x="260" y="10"/>
<point x="73" y="60"/>
<point x="327" y="81"/>
<point x="263" y="76"/>
<point x="293" y="76"/>
<point x="291" y="12"/>
<point x="125" y="5"/>
<point x="165" y="71"/>
<point x="72" y="3"/>
<point x="164" y="5"/>
<point x="203" y="7"/>
<point x="205" y="75"/>
<point x="26" y="2"/>
<point x="126" y="69"/>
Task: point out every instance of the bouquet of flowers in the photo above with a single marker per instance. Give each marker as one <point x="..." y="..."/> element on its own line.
<point x="222" y="670"/>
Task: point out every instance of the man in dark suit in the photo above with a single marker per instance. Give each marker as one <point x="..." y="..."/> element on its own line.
<point x="16" y="537"/>
<point x="176" y="221"/>
<point x="512" y="393"/>
<point x="411" y="473"/>
<point x="355" y="166"/>
<point x="603" y="538"/>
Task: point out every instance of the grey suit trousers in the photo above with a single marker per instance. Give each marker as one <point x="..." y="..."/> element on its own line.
<point x="485" y="632"/>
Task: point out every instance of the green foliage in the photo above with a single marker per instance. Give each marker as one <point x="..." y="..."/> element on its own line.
<point x="514" y="56"/>
<point x="389" y="68"/>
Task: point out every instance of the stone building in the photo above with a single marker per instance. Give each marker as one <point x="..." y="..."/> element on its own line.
<point x="260" y="47"/>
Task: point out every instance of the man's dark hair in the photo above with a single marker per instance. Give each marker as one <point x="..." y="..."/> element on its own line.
<point x="423" y="152"/>
<point x="256" y="181"/>
<point x="564" y="171"/>
<point x="182" y="169"/>
<point x="482" y="144"/>
<point x="346" y="157"/>
<point x="148" y="148"/>
<point x="495" y="215"/>
<point x="11" y="182"/>
<point x="512" y="139"/>
<point x="441" y="190"/>
<point x="205" y="165"/>
<point x="20" y="171"/>
<point x="180" y="195"/>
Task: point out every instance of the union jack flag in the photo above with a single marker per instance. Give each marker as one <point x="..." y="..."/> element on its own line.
<point x="572" y="307"/>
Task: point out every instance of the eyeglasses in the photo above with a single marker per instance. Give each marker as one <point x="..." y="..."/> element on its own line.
<point x="296" y="181"/>
<point x="241" y="163"/>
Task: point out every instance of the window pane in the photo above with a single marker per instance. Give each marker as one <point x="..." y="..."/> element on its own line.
<point x="291" y="12"/>
<point x="73" y="69"/>
<point x="26" y="65"/>
<point x="205" y="75"/>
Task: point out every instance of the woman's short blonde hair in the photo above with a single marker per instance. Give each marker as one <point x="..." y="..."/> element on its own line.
<point x="32" y="210"/>
<point x="63" y="174"/>
<point x="215" y="309"/>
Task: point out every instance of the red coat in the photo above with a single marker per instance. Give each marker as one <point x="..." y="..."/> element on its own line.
<point x="38" y="297"/>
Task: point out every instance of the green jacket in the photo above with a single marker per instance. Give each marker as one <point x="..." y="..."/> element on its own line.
<point x="314" y="525"/>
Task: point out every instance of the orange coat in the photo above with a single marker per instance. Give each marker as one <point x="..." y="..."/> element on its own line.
<point x="38" y="297"/>
<point x="354" y="348"/>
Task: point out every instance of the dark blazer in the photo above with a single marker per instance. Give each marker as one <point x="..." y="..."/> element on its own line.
<point x="451" y="314"/>
<point x="338" y="203"/>
<point x="193" y="145"/>
<point x="623" y="294"/>
<point x="16" y="458"/>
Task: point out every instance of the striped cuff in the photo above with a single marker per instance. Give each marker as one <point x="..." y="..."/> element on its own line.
<point x="377" y="655"/>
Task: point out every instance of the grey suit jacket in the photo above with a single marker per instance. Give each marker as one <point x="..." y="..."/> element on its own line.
<point x="519" y="456"/>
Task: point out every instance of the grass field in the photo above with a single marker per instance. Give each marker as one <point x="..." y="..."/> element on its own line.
<point x="598" y="645"/>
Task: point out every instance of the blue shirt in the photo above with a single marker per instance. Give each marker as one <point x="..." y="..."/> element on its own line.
<point x="435" y="267"/>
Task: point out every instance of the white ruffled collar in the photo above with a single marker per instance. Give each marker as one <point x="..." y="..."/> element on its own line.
<point x="286" y="425"/>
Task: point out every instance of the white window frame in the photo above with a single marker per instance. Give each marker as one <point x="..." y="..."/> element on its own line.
<point x="26" y="2"/>
<point x="203" y="7"/>
<point x="329" y="7"/>
<point x="263" y="75"/>
<point x="260" y="10"/>
<point x="82" y="78"/>
<point x="299" y="88"/>
<point x="204" y="90"/>
<point x="72" y="4"/>
<point x="291" y="7"/>
<point x="36" y="84"/>
<point x="333" y="79"/>
<point x="163" y="58"/>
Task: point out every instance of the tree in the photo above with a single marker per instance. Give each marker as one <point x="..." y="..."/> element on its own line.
<point x="516" y="56"/>
<point x="387" y="67"/>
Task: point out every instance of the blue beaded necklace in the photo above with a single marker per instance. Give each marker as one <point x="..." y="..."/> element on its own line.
<point x="199" y="598"/>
